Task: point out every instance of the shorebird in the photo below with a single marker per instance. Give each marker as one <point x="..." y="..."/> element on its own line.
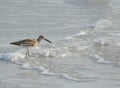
<point x="27" y="43"/>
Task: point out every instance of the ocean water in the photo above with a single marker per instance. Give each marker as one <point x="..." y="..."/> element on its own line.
<point x="85" y="52"/>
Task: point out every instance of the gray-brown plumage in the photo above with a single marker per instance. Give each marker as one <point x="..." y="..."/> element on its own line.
<point x="30" y="43"/>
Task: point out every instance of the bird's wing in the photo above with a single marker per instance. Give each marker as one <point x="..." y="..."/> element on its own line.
<point x="25" y="42"/>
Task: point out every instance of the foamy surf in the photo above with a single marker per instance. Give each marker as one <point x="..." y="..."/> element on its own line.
<point x="103" y="23"/>
<point x="12" y="56"/>
<point x="101" y="60"/>
<point x="53" y="51"/>
<point x="102" y="42"/>
<point x="81" y="33"/>
<point x="39" y="54"/>
<point x="67" y="76"/>
<point x="19" y="59"/>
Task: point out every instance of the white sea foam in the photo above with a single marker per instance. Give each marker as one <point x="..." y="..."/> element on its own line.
<point x="45" y="71"/>
<point x="101" y="60"/>
<point x="96" y="27"/>
<point x="15" y="57"/>
<point x="103" y="23"/>
<point x="12" y="56"/>
<point x="102" y="42"/>
<point x="66" y="76"/>
<point x="54" y="52"/>
<point x="26" y="66"/>
<point x="18" y="56"/>
<point x="80" y="33"/>
<point x="76" y="35"/>
<point x="29" y="66"/>
<point x="63" y="75"/>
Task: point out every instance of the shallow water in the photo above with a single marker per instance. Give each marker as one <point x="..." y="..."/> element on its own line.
<point x="85" y="49"/>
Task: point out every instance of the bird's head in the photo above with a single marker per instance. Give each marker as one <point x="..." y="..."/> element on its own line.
<point x="41" y="37"/>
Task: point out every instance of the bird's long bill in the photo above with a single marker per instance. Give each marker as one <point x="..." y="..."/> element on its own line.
<point x="48" y="40"/>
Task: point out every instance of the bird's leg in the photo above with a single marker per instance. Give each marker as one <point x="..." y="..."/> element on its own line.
<point x="27" y="53"/>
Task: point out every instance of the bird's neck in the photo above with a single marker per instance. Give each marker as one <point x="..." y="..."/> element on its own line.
<point x="39" y="39"/>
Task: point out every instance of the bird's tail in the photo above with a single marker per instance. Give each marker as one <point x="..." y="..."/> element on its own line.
<point x="15" y="43"/>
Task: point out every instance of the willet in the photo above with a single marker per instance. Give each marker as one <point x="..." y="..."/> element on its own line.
<point x="27" y="43"/>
